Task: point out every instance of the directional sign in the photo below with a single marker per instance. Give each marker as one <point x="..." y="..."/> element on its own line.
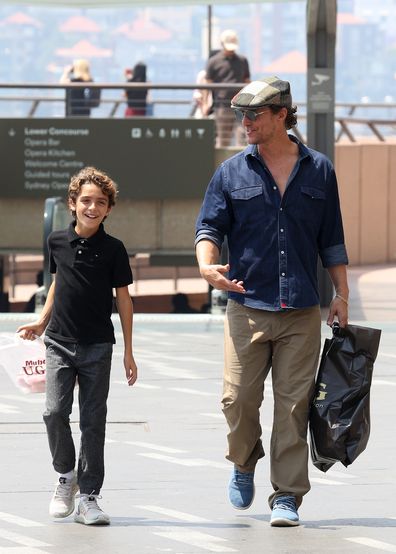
<point x="147" y="158"/>
<point x="320" y="90"/>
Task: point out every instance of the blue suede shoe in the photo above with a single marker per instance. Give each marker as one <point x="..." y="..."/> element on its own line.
<point x="241" y="489"/>
<point x="284" y="512"/>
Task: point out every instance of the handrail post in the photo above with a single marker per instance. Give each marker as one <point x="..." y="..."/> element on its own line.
<point x="345" y="129"/>
<point x="376" y="131"/>
<point x="33" y="108"/>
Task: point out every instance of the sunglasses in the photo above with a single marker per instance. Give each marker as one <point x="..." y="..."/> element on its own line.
<point x="250" y="114"/>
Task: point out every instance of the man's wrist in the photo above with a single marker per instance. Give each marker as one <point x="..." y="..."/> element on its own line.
<point x="345" y="300"/>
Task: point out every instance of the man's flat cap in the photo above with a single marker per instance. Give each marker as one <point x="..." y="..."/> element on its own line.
<point x="270" y="91"/>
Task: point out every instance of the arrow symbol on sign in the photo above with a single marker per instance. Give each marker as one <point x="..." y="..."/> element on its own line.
<point x="320" y="78"/>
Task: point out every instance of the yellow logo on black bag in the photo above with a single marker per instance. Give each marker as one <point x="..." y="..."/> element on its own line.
<point x="321" y="393"/>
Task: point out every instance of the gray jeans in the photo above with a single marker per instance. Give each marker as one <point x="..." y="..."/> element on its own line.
<point x="90" y="364"/>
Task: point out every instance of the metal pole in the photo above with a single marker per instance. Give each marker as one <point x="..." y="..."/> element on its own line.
<point x="321" y="38"/>
<point x="4" y="303"/>
<point x="209" y="29"/>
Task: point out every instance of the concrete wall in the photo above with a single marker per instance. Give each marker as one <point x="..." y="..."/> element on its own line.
<point x="366" y="175"/>
<point x="144" y="226"/>
<point x="367" y="183"/>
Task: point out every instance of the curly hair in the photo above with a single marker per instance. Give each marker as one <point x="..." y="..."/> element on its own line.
<point x="291" y="118"/>
<point x="91" y="175"/>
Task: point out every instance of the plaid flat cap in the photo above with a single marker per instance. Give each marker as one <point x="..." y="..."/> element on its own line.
<point x="269" y="91"/>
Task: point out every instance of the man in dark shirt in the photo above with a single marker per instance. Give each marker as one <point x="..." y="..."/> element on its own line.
<point x="226" y="67"/>
<point x="277" y="203"/>
<point x="87" y="264"/>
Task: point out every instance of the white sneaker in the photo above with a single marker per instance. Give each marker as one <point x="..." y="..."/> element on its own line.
<point x="89" y="513"/>
<point x="62" y="503"/>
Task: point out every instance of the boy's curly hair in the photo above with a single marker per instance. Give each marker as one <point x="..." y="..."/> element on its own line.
<point x="91" y="175"/>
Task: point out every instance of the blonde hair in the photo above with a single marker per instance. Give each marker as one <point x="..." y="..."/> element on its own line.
<point x="81" y="70"/>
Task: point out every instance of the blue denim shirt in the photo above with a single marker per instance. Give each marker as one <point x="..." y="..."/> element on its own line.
<point x="274" y="241"/>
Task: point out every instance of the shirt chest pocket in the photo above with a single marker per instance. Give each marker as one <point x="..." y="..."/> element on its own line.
<point x="311" y="206"/>
<point x="247" y="203"/>
<point x="313" y="193"/>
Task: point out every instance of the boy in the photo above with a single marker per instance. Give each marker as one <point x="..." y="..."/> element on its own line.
<point x="79" y="338"/>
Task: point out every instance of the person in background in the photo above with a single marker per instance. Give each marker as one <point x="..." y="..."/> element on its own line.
<point x="77" y="100"/>
<point x="31" y="303"/>
<point x="226" y="66"/>
<point x="181" y="305"/>
<point x="277" y="203"/>
<point x="136" y="97"/>
<point x="199" y="110"/>
<point x="202" y="99"/>
<point x="87" y="265"/>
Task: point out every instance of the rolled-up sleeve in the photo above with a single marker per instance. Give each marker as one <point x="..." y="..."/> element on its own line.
<point x="213" y="221"/>
<point x="332" y="250"/>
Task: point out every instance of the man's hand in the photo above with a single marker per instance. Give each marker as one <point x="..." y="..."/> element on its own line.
<point x="338" y="309"/>
<point x="31" y="331"/>
<point x="130" y="369"/>
<point x="214" y="275"/>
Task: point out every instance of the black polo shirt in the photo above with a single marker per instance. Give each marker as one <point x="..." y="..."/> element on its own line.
<point x="86" y="271"/>
<point x="221" y="68"/>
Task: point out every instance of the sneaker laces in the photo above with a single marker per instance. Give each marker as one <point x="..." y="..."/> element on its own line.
<point x="285" y="503"/>
<point x="63" y="488"/>
<point x="243" y="478"/>
<point x="90" y="501"/>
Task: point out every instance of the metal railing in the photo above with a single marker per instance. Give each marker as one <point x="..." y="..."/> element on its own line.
<point x="347" y="123"/>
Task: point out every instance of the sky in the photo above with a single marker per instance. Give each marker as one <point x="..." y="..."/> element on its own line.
<point x="36" y="43"/>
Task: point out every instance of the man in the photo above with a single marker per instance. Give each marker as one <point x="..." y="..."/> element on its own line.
<point x="226" y="67"/>
<point x="277" y="203"/>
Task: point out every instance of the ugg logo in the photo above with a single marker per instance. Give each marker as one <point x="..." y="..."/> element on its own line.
<point x="321" y="393"/>
<point x="34" y="366"/>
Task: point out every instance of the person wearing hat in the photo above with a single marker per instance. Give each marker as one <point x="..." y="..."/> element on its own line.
<point x="277" y="203"/>
<point x="226" y="67"/>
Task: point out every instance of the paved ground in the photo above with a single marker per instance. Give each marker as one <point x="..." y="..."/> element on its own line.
<point x="166" y="479"/>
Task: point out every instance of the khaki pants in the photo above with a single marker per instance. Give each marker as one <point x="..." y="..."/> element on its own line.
<point x="289" y="344"/>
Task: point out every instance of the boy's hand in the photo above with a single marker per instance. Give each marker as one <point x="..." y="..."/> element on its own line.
<point x="31" y="331"/>
<point x="130" y="369"/>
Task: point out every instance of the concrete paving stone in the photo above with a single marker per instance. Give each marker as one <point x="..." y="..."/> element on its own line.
<point x="166" y="476"/>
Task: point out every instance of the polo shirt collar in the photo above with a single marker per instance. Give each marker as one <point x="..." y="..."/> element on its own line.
<point x="94" y="240"/>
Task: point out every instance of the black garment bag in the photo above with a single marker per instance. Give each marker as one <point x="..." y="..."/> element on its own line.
<point x="339" y="421"/>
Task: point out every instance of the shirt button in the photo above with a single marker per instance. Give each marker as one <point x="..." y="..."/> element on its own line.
<point x="79" y="251"/>
<point x="281" y="209"/>
<point x="283" y="274"/>
<point x="282" y="251"/>
<point x="281" y="230"/>
<point x="274" y="187"/>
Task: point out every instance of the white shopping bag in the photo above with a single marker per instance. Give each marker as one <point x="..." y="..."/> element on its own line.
<point x="24" y="361"/>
